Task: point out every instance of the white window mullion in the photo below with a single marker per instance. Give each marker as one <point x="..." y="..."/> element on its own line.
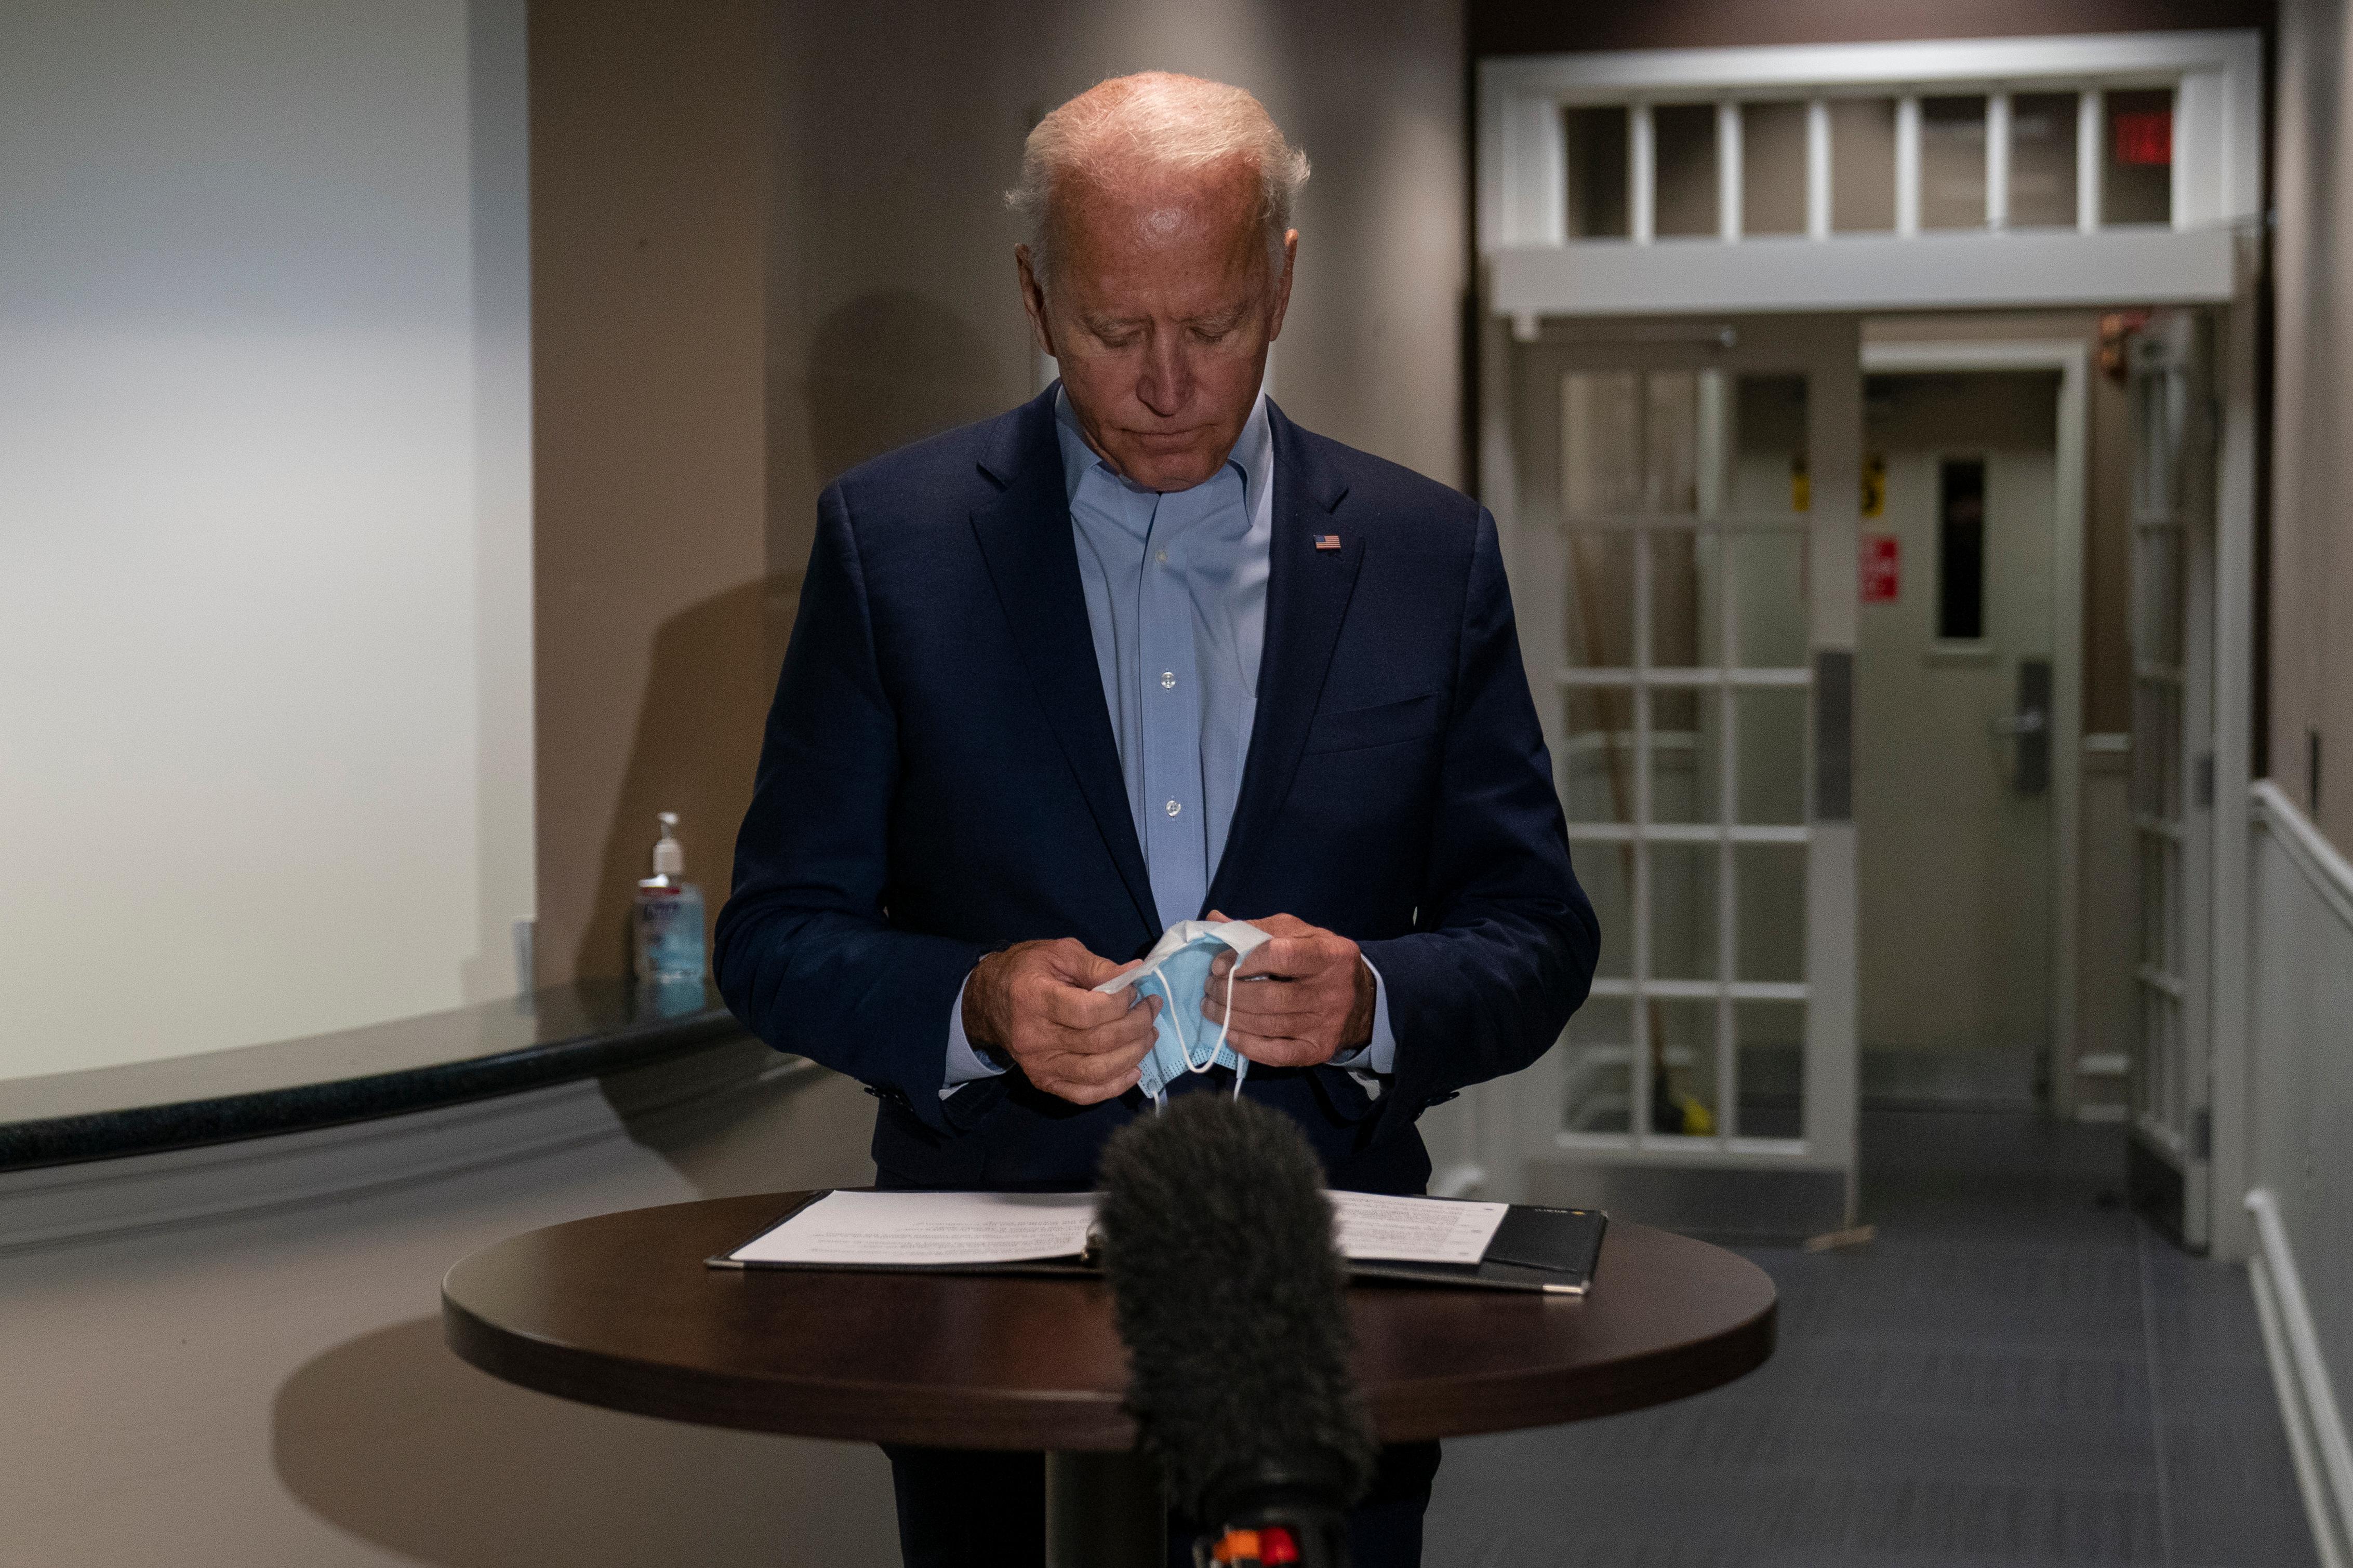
<point x="1641" y="1012"/>
<point x="1642" y="174"/>
<point x="2091" y="119"/>
<point x="1818" y="169"/>
<point x="1908" y="165"/>
<point x="1727" y="1055"/>
<point x="1727" y="1052"/>
<point x="1642" y="1018"/>
<point x="1997" y="161"/>
<point x="2183" y="198"/>
<point x="1729" y="169"/>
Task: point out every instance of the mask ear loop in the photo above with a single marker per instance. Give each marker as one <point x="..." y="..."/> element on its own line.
<point x="1185" y="1049"/>
<point x="1170" y="1011"/>
<point x="1160" y="1095"/>
<point x="1176" y="1016"/>
<point x="1242" y="1062"/>
<point x="1184" y="1046"/>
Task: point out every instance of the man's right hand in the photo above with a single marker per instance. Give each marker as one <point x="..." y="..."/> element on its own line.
<point x="1036" y="1001"/>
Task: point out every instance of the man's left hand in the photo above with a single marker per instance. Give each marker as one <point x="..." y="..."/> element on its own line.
<point x="1298" y="1000"/>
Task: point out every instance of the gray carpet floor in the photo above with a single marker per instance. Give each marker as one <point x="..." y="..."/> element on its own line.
<point x="2016" y="1372"/>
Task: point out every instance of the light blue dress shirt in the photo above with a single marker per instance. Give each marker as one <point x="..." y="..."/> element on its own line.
<point x="1176" y="592"/>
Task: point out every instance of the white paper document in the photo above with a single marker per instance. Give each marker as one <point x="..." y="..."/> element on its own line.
<point x="934" y="1228"/>
<point x="1413" y="1230"/>
<point x="947" y="1229"/>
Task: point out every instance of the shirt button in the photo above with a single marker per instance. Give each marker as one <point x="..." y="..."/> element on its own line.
<point x="1174" y="807"/>
<point x="1167" y="681"/>
<point x="1162" y="558"/>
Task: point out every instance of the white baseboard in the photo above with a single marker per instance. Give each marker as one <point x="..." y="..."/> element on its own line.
<point x="2316" y="1426"/>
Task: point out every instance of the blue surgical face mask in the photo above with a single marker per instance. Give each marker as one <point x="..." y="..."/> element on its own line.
<point x="1177" y="970"/>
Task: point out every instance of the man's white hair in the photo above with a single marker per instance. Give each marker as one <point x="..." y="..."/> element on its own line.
<point x="1155" y="120"/>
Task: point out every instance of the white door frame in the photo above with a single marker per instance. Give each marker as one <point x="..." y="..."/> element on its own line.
<point x="1484" y="1142"/>
<point x="2215" y="1158"/>
<point x="2070" y="358"/>
<point x="2229" y="1232"/>
<point x="2209" y="253"/>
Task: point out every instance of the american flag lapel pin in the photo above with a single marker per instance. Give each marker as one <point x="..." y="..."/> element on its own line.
<point x="1328" y="541"/>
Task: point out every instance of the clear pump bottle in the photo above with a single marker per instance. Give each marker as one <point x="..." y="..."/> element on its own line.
<point x="667" y="919"/>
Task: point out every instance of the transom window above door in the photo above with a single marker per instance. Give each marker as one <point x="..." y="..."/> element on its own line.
<point x="1981" y="172"/>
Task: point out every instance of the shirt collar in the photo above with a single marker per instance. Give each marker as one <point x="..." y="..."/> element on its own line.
<point x="1252" y="457"/>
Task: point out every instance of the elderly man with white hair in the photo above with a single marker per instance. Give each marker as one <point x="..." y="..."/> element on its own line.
<point x="1138" y="653"/>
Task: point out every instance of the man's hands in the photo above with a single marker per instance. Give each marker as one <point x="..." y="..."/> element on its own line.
<point x="1316" y="998"/>
<point x="1300" y="1000"/>
<point x="1036" y="1001"/>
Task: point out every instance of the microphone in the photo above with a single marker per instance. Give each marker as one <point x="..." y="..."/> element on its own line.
<point x="1231" y="1298"/>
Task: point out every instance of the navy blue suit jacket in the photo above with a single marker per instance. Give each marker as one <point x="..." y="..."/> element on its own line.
<point x="940" y="779"/>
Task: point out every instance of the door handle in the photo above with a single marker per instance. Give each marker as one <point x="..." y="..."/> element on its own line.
<point x="2029" y="727"/>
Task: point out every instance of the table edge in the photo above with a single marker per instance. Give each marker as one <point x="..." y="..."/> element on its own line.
<point x="1031" y="1420"/>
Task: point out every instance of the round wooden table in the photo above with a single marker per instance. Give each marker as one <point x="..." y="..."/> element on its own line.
<point x="620" y="1311"/>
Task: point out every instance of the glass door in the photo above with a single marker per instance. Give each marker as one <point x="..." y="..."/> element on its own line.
<point x="1685" y="581"/>
<point x="2171" y="399"/>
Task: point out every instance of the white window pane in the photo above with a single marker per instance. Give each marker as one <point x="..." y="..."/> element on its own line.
<point x="1863" y="165"/>
<point x="1770" y="1039"/>
<point x="1683" y="910"/>
<point x="1596" y="144"/>
<point x="1953" y="162"/>
<point x="1598" y="1045"/>
<point x="2042" y="160"/>
<point x="1772" y="168"/>
<point x="1683" y="154"/>
<point x="1769" y="738"/>
<point x="1686" y="754"/>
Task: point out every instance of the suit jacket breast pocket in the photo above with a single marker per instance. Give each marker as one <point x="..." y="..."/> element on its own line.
<point x="1383" y="725"/>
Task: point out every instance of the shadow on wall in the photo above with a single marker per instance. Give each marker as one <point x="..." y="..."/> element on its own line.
<point x="890" y="368"/>
<point x="708" y="682"/>
<point x="883" y="369"/>
<point x="740" y="1118"/>
<point x="392" y="1437"/>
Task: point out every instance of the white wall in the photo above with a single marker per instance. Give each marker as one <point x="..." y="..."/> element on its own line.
<point x="2300" y="1094"/>
<point x="264" y="520"/>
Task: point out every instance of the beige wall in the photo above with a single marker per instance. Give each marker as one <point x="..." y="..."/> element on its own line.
<point x="271" y="1387"/>
<point x="2311" y="584"/>
<point x="651" y="159"/>
<point x="902" y="126"/>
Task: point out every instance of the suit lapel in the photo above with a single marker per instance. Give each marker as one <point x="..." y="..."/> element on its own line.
<point x="1307" y="594"/>
<point x="1025" y="538"/>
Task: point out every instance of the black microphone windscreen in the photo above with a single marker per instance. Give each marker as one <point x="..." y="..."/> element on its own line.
<point x="1231" y="1298"/>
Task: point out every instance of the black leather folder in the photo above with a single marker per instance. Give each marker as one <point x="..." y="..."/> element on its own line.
<point x="1546" y="1250"/>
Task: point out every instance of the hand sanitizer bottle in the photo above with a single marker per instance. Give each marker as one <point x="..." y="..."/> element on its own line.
<point x="668" y="918"/>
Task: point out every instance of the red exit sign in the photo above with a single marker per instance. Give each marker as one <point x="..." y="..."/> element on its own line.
<point x="1882" y="569"/>
<point x="2145" y="137"/>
